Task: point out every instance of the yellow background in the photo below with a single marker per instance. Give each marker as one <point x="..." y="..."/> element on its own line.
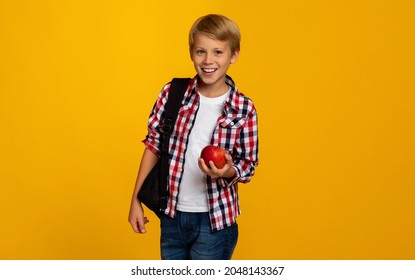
<point x="333" y="82"/>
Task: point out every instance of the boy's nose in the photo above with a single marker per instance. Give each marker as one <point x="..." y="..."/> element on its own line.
<point x="208" y="58"/>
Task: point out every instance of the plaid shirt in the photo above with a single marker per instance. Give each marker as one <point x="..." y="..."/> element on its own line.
<point x="236" y="131"/>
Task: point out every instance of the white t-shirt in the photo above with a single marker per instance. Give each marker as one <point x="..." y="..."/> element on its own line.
<point x="193" y="192"/>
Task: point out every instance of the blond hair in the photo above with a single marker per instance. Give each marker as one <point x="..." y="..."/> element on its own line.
<point x="218" y="27"/>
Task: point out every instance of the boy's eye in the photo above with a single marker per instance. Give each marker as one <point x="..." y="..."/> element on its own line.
<point x="200" y="51"/>
<point x="218" y="52"/>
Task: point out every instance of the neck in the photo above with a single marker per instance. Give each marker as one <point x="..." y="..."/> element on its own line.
<point x="213" y="90"/>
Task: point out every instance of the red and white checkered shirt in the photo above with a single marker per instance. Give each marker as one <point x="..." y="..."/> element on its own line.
<point x="236" y="131"/>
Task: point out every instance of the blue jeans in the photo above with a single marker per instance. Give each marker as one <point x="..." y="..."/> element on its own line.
<point x="188" y="237"/>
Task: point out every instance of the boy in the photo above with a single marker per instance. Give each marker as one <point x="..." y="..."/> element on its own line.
<point x="200" y="219"/>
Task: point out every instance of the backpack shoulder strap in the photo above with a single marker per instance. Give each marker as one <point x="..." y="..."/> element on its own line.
<point x="178" y="88"/>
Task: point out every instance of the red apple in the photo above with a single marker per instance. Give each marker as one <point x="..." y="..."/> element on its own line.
<point x="214" y="154"/>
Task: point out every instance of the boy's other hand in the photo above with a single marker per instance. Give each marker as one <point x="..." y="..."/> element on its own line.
<point x="227" y="171"/>
<point x="136" y="217"/>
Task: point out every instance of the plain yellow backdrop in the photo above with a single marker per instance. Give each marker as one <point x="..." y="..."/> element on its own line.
<point x="333" y="83"/>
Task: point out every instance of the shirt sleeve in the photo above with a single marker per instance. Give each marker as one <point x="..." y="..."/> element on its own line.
<point x="245" y="158"/>
<point x="152" y="140"/>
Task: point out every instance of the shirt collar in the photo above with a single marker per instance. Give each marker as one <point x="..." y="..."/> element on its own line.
<point x="231" y="104"/>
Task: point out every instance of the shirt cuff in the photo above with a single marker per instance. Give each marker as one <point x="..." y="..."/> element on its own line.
<point x="227" y="182"/>
<point x="151" y="147"/>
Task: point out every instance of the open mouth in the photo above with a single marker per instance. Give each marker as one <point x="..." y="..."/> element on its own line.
<point x="209" y="70"/>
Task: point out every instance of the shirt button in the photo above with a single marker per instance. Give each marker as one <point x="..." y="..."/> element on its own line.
<point x="232" y="123"/>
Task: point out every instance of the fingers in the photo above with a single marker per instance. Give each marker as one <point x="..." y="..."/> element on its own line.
<point x="215" y="172"/>
<point x="207" y="169"/>
<point x="210" y="170"/>
<point x="136" y="217"/>
<point x="213" y="168"/>
<point x="203" y="166"/>
<point x="229" y="159"/>
<point x="141" y="225"/>
<point x="134" y="225"/>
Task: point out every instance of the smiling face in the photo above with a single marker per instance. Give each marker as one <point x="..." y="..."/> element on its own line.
<point x="211" y="59"/>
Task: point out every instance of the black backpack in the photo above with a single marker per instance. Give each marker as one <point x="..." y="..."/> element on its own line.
<point x="154" y="191"/>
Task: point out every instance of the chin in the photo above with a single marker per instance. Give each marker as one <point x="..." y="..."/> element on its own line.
<point x="206" y="80"/>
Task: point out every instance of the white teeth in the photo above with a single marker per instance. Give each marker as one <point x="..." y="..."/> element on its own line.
<point x="209" y="70"/>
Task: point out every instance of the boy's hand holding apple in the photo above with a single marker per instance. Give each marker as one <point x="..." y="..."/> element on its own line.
<point x="215" y="162"/>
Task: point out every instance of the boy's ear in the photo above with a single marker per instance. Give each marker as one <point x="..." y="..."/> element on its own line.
<point x="234" y="57"/>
